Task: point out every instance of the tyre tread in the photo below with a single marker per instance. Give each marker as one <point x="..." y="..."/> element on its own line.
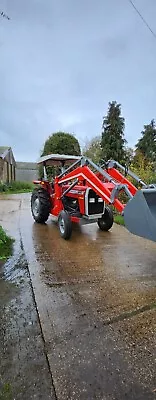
<point x="105" y="223"/>
<point x="45" y="204"/>
<point x="68" y="225"/>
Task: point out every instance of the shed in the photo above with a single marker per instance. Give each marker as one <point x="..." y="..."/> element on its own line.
<point x="7" y="165"/>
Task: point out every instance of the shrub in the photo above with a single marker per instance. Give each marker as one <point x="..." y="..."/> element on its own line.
<point x="16" y="187"/>
<point x="144" y="169"/>
<point x="5" y="244"/>
<point x="3" y="187"/>
<point x="147" y="174"/>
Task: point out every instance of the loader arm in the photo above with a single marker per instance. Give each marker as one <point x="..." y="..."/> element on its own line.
<point x="119" y="177"/>
<point x="139" y="212"/>
<point x="104" y="190"/>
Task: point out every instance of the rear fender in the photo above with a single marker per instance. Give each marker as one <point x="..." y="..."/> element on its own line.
<point x="44" y="185"/>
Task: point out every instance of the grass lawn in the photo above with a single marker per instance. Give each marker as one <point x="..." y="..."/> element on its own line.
<point x="16" y="191"/>
<point x="6" y="243"/>
<point x="119" y="219"/>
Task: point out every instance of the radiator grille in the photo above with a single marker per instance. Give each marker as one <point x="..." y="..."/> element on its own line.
<point x="95" y="203"/>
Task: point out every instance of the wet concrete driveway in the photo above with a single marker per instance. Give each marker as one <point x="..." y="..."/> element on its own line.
<point x="96" y="302"/>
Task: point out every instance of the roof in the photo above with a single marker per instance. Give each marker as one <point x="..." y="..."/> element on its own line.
<point x="3" y="150"/>
<point x="57" y="159"/>
<point x="26" y="165"/>
<point x="7" y="155"/>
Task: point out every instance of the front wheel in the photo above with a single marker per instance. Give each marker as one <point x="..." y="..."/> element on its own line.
<point x="65" y="225"/>
<point x="106" y="221"/>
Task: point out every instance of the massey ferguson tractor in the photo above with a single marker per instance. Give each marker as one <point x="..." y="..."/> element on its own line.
<point x="85" y="192"/>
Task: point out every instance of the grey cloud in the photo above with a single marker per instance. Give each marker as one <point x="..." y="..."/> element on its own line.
<point x="62" y="61"/>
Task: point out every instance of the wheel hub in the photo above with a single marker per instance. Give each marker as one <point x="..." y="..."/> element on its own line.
<point x="61" y="225"/>
<point x="35" y="207"/>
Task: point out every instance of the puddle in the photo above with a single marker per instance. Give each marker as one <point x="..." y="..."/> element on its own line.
<point x="24" y="373"/>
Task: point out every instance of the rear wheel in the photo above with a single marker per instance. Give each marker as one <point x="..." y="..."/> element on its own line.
<point x="106" y="221"/>
<point x="65" y="225"/>
<point x="40" y="205"/>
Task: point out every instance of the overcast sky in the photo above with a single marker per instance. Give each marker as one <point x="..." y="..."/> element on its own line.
<point x="62" y="61"/>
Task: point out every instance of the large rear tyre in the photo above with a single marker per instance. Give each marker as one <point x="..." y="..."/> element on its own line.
<point x="106" y="221"/>
<point x="40" y="205"/>
<point x="65" y="225"/>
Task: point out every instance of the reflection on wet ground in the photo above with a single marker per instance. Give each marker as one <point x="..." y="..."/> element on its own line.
<point x="86" y="262"/>
<point x="24" y="372"/>
<point x="96" y="299"/>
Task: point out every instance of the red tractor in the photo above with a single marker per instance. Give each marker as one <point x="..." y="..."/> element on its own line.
<point x="84" y="191"/>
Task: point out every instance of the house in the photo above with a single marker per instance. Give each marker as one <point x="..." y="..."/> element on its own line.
<point x="7" y="165"/>
<point x="26" y="171"/>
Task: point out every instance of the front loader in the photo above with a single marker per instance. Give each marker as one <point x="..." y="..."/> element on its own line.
<point x="84" y="192"/>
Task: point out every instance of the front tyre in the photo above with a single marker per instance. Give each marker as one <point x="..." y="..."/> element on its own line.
<point x="40" y="205"/>
<point x="106" y="221"/>
<point x="65" y="225"/>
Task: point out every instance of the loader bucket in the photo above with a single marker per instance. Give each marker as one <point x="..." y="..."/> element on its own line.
<point x="140" y="214"/>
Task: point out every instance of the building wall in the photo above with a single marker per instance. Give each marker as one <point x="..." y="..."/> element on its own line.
<point x="1" y="169"/>
<point x="7" y="172"/>
<point x="26" y="175"/>
<point x="4" y="171"/>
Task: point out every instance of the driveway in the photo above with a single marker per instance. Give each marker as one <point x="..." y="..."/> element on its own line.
<point x="95" y="299"/>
